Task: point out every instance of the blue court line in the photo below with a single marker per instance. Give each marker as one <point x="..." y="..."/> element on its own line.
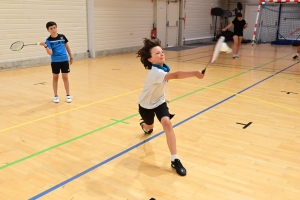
<point x="268" y="77"/>
<point x="148" y="139"/>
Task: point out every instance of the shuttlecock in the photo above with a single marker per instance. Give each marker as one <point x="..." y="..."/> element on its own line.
<point x="225" y="48"/>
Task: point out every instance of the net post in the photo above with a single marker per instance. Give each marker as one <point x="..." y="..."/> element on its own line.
<point x="256" y="21"/>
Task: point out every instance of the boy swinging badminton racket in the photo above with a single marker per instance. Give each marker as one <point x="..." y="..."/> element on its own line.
<point x="152" y="100"/>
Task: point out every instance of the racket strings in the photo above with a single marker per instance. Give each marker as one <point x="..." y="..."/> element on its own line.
<point x="216" y="51"/>
<point x="17" y="46"/>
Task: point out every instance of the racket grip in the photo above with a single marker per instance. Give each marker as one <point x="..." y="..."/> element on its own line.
<point x="203" y="71"/>
<point x="38" y="43"/>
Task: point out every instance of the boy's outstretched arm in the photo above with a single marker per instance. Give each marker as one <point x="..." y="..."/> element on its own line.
<point x="49" y="51"/>
<point x="183" y="74"/>
<point x="69" y="52"/>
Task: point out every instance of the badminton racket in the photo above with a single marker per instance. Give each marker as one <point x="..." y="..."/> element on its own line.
<point x="18" y="45"/>
<point x="216" y="52"/>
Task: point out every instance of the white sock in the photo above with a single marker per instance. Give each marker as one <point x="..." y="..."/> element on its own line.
<point x="144" y="128"/>
<point x="173" y="157"/>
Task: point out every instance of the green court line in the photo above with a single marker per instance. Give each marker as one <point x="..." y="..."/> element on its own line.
<point x="282" y="76"/>
<point x="124" y="119"/>
<point x="289" y="79"/>
<point x="121" y="121"/>
<point x="228" y="78"/>
<point x="63" y="143"/>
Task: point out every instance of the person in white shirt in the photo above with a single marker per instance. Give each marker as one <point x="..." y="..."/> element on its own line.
<point x="152" y="99"/>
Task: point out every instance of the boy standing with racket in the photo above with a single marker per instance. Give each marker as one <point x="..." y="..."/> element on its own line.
<point x="152" y="99"/>
<point x="298" y="50"/>
<point x="56" y="46"/>
<point x="239" y="24"/>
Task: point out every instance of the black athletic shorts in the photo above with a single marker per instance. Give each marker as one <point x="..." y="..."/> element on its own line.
<point x="160" y="112"/>
<point x="60" y="66"/>
<point x="238" y="34"/>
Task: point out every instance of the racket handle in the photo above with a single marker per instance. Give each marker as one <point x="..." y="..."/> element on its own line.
<point x="38" y="43"/>
<point x="203" y="71"/>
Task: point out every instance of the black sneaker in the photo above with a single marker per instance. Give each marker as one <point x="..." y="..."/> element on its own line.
<point x="176" y="164"/>
<point x="295" y="57"/>
<point x="146" y="132"/>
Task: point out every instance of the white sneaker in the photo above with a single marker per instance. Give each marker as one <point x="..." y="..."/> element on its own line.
<point x="69" y="99"/>
<point x="56" y="99"/>
<point x="235" y="56"/>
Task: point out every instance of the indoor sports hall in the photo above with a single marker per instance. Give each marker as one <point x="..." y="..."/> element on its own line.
<point x="237" y="129"/>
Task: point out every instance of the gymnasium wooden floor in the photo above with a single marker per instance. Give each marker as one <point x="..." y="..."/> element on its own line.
<point x="94" y="148"/>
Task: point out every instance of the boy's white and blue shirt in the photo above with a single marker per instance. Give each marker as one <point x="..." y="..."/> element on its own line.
<point x="153" y="94"/>
<point x="165" y="67"/>
<point x="57" y="44"/>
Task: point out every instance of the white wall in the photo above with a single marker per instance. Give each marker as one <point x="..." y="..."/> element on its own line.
<point x="121" y="25"/>
<point x="26" y="20"/>
<point x="199" y="23"/>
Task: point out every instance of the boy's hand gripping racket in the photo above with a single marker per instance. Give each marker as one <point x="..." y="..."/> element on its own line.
<point x="216" y="52"/>
<point x="18" y="45"/>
